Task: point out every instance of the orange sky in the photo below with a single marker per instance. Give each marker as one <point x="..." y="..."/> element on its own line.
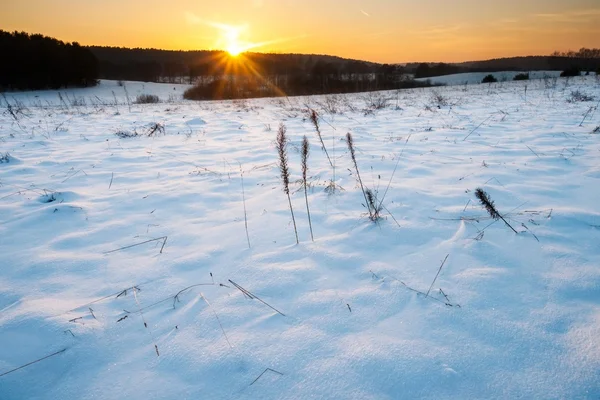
<point x="376" y="30"/>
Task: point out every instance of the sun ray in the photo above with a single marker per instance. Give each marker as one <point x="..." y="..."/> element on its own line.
<point x="235" y="72"/>
<point x="232" y="40"/>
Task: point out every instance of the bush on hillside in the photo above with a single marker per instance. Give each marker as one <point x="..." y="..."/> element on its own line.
<point x="147" y="99"/>
<point x="489" y="79"/>
<point x="578" y="96"/>
<point x="573" y="71"/>
<point x="224" y="88"/>
<point x="521" y="77"/>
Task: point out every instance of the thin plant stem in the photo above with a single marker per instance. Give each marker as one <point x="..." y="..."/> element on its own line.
<point x="315" y="120"/>
<point x="394" y="172"/>
<point x="305" y="153"/>
<point x="308" y="212"/>
<point x="33" y="362"/>
<point x="145" y="323"/>
<point x="436" y="275"/>
<point x="333" y="155"/>
<point x="353" y="156"/>
<point x="244" y="201"/>
<point x="293" y="218"/>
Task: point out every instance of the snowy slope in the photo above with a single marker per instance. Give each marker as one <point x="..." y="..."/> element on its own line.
<point x="472" y="78"/>
<point x="521" y="316"/>
<point x="105" y="93"/>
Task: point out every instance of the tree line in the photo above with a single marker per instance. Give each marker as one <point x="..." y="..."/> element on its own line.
<point x="36" y="61"/>
<point x="323" y="77"/>
<point x="179" y="66"/>
<point x="581" y="53"/>
<point x="583" y="60"/>
<point x="217" y="75"/>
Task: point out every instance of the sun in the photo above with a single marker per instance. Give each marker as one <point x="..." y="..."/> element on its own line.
<point x="234" y="49"/>
<point x="233" y="45"/>
<point x="234" y="40"/>
<point x="234" y="62"/>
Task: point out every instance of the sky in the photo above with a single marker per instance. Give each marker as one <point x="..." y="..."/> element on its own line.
<point x="377" y="30"/>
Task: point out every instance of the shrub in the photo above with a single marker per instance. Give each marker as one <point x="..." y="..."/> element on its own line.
<point x="154" y="129"/>
<point x="573" y="71"/>
<point x="521" y="77"/>
<point x="550" y="82"/>
<point x="439" y="100"/>
<point x="147" y="99"/>
<point x="489" y="79"/>
<point x="376" y="101"/>
<point x="577" y="96"/>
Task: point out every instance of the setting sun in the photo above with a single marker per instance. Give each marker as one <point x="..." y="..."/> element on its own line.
<point x="234" y="50"/>
<point x="230" y="39"/>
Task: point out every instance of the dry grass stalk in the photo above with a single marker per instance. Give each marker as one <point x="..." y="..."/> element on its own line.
<point x="305" y="153"/>
<point x="285" y="172"/>
<point x="314" y="118"/>
<point x="488" y="203"/>
<point x="368" y="195"/>
<point x="244" y="201"/>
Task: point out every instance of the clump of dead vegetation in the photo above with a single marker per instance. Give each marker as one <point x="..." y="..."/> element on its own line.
<point x="4" y="158"/>
<point x="578" y="96"/>
<point x="147" y="99"/>
<point x="152" y="130"/>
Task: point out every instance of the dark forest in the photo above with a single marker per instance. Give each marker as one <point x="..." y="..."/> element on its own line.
<point x="39" y="62"/>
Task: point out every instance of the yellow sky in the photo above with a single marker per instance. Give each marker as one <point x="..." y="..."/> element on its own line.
<point x="376" y="30"/>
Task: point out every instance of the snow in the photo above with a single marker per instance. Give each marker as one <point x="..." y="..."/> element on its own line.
<point x="522" y="313"/>
<point x="472" y="78"/>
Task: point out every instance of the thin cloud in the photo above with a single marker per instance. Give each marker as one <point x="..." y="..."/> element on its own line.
<point x="441" y="30"/>
<point x="570" y="16"/>
<point x="587" y="13"/>
<point x="365" y="13"/>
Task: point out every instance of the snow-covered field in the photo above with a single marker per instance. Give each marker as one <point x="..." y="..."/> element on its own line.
<point x="344" y="317"/>
<point x="473" y="78"/>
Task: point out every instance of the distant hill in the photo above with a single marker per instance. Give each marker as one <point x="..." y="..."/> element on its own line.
<point x="154" y="64"/>
<point x="471" y="78"/>
<point x="168" y="65"/>
<point x="217" y="75"/>
<point x="125" y="55"/>
<point x="531" y="63"/>
<point x="556" y="62"/>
